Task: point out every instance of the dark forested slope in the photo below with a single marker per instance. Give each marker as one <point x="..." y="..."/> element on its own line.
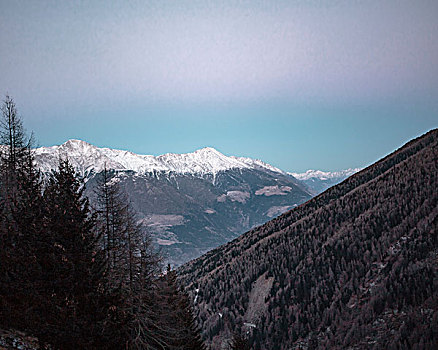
<point x="354" y="267"/>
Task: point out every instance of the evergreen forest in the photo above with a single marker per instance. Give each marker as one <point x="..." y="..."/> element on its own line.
<point x="77" y="276"/>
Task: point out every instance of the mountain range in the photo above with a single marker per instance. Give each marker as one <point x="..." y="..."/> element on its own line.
<point x="191" y="203"/>
<point x="353" y="268"/>
<point x="88" y="159"/>
<point x="318" y="181"/>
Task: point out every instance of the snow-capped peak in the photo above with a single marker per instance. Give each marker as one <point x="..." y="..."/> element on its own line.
<point x="208" y="150"/>
<point x="87" y="158"/>
<point x="324" y="175"/>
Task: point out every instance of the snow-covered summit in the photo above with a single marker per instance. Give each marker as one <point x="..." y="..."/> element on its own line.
<point x="87" y="158"/>
<point x="324" y="175"/>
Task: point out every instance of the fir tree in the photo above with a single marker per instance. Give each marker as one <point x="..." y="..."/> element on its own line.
<point x="181" y="326"/>
<point x="74" y="272"/>
<point x="21" y="223"/>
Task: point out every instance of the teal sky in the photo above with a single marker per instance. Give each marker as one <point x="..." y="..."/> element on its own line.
<point x="299" y="84"/>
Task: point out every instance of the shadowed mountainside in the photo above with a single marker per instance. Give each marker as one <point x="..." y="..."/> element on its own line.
<point x="355" y="267"/>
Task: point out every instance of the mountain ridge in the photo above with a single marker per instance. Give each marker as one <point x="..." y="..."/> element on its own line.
<point x="88" y="158"/>
<point x="324" y="175"/>
<point x="318" y="181"/>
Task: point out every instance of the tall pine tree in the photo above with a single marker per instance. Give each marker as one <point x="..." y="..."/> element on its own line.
<point x="75" y="267"/>
<point x="21" y="224"/>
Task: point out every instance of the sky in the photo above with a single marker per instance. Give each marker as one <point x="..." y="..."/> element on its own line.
<point x="299" y="84"/>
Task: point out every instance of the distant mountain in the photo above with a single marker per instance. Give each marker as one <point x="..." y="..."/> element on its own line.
<point x="318" y="181"/>
<point x="353" y="268"/>
<point x="190" y="203"/>
<point x="89" y="159"/>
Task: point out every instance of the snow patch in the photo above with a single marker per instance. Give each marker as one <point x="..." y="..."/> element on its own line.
<point x="238" y="196"/>
<point x="273" y="191"/>
<point x="234" y="196"/>
<point x="250" y="325"/>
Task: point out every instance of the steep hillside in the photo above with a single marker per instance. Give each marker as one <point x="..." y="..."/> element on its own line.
<point x="190" y="203"/>
<point x="355" y="267"/>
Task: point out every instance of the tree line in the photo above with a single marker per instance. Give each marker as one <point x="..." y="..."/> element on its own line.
<point x="76" y="275"/>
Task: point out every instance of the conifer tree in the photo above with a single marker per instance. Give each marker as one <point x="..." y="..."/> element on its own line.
<point x="21" y="222"/>
<point x="74" y="272"/>
<point x="180" y="323"/>
<point x="13" y="136"/>
<point x="111" y="209"/>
